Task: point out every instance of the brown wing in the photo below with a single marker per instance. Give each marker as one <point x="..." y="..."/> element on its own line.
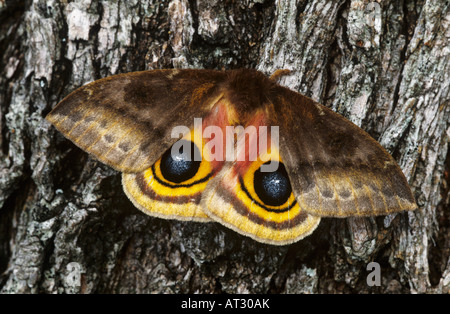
<point x="126" y="120"/>
<point x="336" y="168"/>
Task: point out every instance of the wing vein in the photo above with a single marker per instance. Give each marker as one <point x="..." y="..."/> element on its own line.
<point x="89" y="110"/>
<point x="101" y="135"/>
<point x="355" y="198"/>
<point x="116" y="143"/>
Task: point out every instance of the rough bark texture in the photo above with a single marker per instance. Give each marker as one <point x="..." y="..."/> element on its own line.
<point x="67" y="227"/>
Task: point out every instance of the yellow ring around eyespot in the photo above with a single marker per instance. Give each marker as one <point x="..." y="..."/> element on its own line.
<point x="152" y="207"/>
<point x="203" y="171"/>
<point x="271" y="154"/>
<point x="263" y="213"/>
<point x="176" y="190"/>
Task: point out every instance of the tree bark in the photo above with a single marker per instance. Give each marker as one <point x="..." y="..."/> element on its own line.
<point x="66" y="225"/>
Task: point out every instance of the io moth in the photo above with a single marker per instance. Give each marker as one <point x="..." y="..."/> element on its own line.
<point x="323" y="165"/>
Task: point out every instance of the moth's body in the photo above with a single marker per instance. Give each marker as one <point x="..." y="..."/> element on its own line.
<point x="327" y="166"/>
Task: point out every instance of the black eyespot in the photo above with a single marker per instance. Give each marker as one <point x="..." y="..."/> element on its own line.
<point x="180" y="166"/>
<point x="273" y="188"/>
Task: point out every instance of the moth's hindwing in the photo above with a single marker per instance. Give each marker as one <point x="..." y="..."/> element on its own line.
<point x="255" y="202"/>
<point x="172" y="187"/>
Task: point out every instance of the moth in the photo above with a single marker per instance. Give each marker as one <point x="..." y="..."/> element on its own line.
<point x="325" y="166"/>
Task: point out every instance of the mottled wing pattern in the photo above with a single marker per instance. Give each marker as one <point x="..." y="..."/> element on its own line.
<point x="335" y="168"/>
<point x="126" y="120"/>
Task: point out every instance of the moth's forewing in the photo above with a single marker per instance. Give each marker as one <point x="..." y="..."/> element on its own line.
<point x="336" y="168"/>
<point x="126" y="120"/>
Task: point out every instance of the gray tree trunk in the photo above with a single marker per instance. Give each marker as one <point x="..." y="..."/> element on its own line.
<point x="67" y="227"/>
